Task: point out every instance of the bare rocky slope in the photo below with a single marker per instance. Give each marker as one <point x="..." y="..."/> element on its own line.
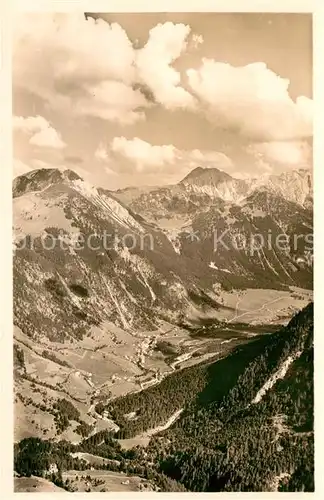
<point x="81" y="257"/>
<point x="202" y="186"/>
<point x="260" y="229"/>
<point x="135" y="274"/>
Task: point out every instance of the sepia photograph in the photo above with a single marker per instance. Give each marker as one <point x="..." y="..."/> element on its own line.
<point x="162" y="200"/>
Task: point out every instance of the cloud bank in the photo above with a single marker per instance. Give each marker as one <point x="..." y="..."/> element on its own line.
<point x="89" y="68"/>
<point x="125" y="156"/>
<point x="142" y="153"/>
<point x="42" y="134"/>
<point x="252" y="100"/>
<point x="165" y="44"/>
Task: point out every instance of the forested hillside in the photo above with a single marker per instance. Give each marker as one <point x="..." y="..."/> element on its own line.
<point x="242" y="442"/>
<point x="247" y="423"/>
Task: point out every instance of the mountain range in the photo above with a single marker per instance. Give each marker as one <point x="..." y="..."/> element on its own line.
<point x="203" y="185"/>
<point x="141" y="271"/>
<point x="242" y="423"/>
<point x="121" y="296"/>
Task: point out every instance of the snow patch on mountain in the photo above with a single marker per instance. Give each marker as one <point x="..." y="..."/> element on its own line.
<point x="267" y="262"/>
<point x="296" y="185"/>
<point x="111" y="206"/>
<point x="32" y="214"/>
<point x="142" y="269"/>
<point x="253" y="212"/>
<point x="114" y="299"/>
<point x="225" y="191"/>
<point x="174" y="242"/>
<point x="276" y="480"/>
<point x="279" y="374"/>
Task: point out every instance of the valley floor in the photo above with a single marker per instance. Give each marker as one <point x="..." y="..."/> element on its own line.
<point x="261" y="306"/>
<point x="111" y="362"/>
<point x="185" y="431"/>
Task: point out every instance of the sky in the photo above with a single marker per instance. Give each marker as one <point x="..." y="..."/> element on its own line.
<point x="142" y="99"/>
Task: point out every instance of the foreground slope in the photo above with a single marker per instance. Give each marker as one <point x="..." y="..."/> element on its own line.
<point x="246" y="423"/>
<point x="251" y="429"/>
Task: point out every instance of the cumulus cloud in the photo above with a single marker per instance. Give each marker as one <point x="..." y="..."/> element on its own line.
<point x="101" y="153"/>
<point x="85" y="67"/>
<point x="76" y="56"/>
<point x="113" y="101"/>
<point x="169" y="162"/>
<point x="293" y="153"/>
<point x="196" y="40"/>
<point x="103" y="74"/>
<point x="165" y="44"/>
<point x="29" y="124"/>
<point x="143" y="153"/>
<point x="252" y="100"/>
<point x="42" y="133"/>
<point x="215" y="158"/>
<point x="90" y="67"/>
<point x="165" y="160"/>
<point x="47" y="138"/>
<point x="19" y="167"/>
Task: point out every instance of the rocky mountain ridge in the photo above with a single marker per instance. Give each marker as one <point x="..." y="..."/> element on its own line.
<point x="173" y="207"/>
<point x="104" y="299"/>
<point x="135" y="272"/>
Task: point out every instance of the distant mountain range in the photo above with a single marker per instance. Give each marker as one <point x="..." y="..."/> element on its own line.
<point x="203" y="185"/>
<point x="146" y="269"/>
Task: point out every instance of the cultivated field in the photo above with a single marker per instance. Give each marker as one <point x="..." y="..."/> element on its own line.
<point x="262" y="306"/>
<point x="99" y="481"/>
